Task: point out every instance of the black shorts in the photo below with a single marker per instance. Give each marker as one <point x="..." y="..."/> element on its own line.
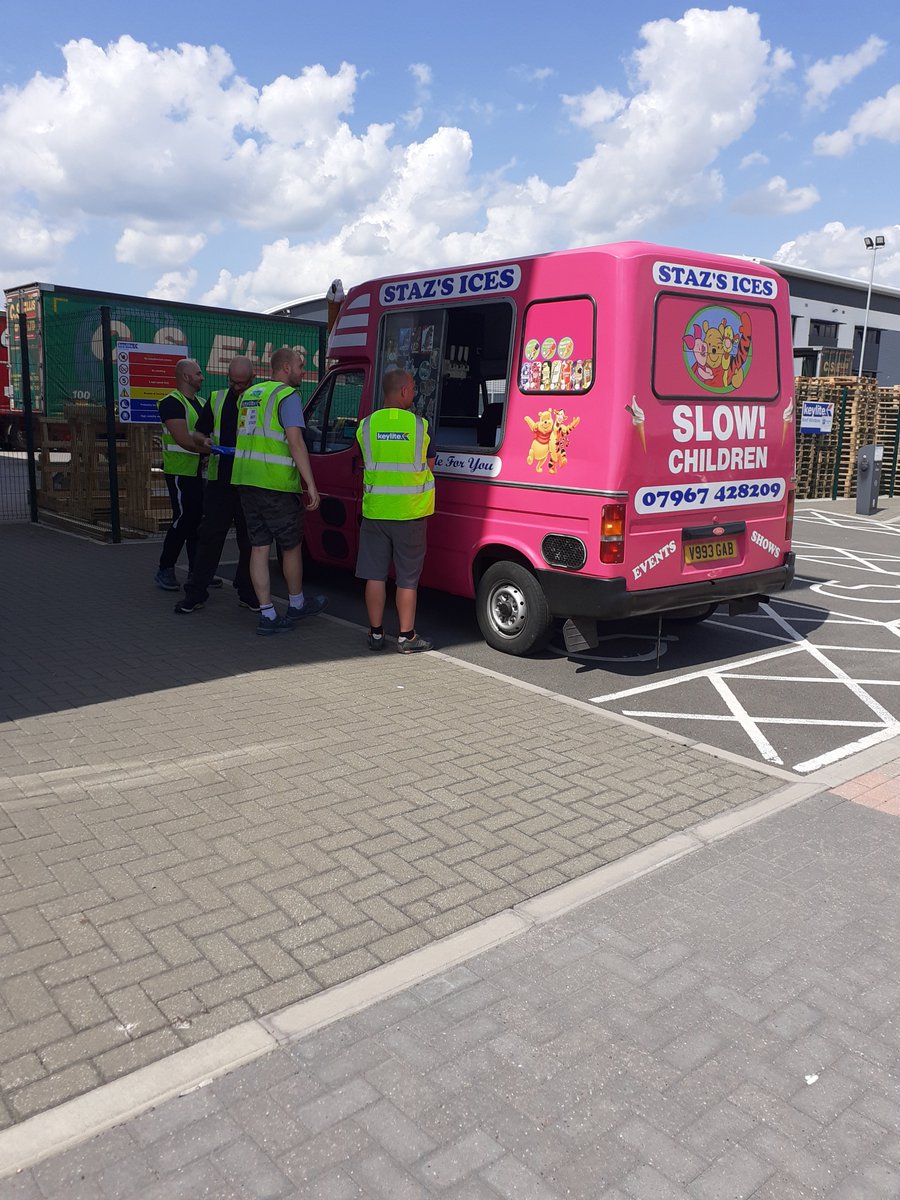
<point x="272" y="516"/>
<point x="384" y="542"/>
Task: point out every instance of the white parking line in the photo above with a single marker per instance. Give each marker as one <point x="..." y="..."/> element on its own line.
<point x="885" y="725"/>
<point x="750" y="727"/>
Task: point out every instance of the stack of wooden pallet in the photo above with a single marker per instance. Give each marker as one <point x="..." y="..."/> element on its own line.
<point x="869" y="417"/>
<point x="73" y="471"/>
<point x="147" y="506"/>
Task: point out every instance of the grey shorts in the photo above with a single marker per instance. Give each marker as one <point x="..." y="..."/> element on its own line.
<point x="272" y="516"/>
<point x="384" y="542"/>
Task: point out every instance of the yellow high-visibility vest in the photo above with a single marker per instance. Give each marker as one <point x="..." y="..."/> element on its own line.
<point x="397" y="483"/>
<point x="262" y="456"/>
<point x="177" y="460"/>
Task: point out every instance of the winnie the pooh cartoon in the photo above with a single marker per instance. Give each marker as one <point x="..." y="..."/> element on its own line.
<point x="541" y="429"/>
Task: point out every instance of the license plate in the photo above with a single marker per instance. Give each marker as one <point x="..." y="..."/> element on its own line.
<point x="710" y="552"/>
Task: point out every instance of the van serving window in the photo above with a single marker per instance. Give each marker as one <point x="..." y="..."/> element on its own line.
<point x="459" y="357"/>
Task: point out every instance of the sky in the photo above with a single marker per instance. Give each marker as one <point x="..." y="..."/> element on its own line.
<point x="245" y="155"/>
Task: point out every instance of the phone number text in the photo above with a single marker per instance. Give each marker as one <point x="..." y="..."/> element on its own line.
<point x="713" y="495"/>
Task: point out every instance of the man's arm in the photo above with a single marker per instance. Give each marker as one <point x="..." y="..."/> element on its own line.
<point x="179" y="431"/>
<point x="203" y="429"/>
<point x="300" y="455"/>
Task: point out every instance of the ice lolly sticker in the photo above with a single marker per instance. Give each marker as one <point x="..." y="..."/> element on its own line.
<point x="637" y="420"/>
<point x="787" y="418"/>
<point x="565" y="348"/>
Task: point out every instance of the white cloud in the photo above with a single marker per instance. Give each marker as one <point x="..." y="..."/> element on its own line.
<point x="776" y="198"/>
<point x="879" y="118"/>
<point x="146" y="246"/>
<point x="656" y="161"/>
<point x="838" y="250"/>
<point x="826" y="75"/>
<point x="30" y="248"/>
<point x="174" y="285"/>
<point x="595" y="108"/>
<point x="170" y="131"/>
<point x="422" y="74"/>
<point x="755" y="158"/>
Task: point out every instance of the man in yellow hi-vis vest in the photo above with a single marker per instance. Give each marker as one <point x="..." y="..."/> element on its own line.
<point x="269" y="462"/>
<point x="215" y="434"/>
<point x="398" y="497"/>
<point x="182" y="465"/>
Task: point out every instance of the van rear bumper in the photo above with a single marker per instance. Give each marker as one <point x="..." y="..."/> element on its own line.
<point x="609" y="599"/>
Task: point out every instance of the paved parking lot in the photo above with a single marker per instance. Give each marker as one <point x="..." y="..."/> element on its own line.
<point x="809" y="680"/>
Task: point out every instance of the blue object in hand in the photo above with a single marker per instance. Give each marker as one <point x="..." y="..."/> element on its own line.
<point x="226" y="450"/>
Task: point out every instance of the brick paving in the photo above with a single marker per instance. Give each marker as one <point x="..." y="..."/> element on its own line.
<point x="198" y="826"/>
<point x="724" y="1028"/>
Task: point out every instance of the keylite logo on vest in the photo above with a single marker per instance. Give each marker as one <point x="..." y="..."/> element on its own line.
<point x="392" y="437"/>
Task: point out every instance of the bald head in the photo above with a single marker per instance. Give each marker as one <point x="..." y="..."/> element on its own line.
<point x="188" y="376"/>
<point x="240" y="373"/>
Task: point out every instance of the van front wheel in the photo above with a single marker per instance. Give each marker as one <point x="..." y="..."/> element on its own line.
<point x="512" y="611"/>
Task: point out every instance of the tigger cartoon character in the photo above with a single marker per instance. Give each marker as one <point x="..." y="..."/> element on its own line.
<point x="737" y="351"/>
<point x="542" y="430"/>
<point x="559" y="440"/>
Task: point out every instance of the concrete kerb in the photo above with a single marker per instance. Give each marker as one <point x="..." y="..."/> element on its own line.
<point x="77" y="1120"/>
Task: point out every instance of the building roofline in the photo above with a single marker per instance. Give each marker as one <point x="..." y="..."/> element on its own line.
<point x="822" y="276"/>
<point x="316" y="297"/>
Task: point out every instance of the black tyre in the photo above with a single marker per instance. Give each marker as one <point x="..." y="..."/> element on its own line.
<point x="512" y="610"/>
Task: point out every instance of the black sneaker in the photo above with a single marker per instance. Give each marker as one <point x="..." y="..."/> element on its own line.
<point x="166" y="579"/>
<point x="376" y="643"/>
<point x="414" y="645"/>
<point x="188" y="606"/>
<point x="216" y="581"/>
<point x="266" y="627"/>
<point x="253" y="604"/>
<point x="311" y="606"/>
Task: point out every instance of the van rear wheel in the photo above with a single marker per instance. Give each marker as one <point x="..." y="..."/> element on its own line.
<point x="512" y="611"/>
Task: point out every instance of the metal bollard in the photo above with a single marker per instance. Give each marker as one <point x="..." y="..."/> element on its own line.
<point x="868" y="478"/>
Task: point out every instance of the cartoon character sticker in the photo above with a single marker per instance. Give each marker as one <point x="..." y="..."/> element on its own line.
<point x="718" y="348"/>
<point x="550" y="440"/>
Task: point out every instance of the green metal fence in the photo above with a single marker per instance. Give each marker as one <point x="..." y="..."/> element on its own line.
<point x="91" y="465"/>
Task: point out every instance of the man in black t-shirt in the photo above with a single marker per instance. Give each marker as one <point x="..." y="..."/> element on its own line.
<point x="182" y="464"/>
<point x="216" y="427"/>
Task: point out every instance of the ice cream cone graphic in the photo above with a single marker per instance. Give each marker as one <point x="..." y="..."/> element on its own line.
<point x="335" y="298"/>
<point x="637" y="420"/>
<point x="787" y="419"/>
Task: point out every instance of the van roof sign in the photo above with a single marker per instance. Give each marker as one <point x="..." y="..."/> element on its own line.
<point x="476" y="282"/>
<point x="706" y="279"/>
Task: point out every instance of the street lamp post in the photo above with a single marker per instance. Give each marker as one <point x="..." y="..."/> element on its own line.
<point x="874" y="245"/>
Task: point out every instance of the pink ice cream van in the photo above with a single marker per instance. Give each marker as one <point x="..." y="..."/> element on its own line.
<point x="614" y="431"/>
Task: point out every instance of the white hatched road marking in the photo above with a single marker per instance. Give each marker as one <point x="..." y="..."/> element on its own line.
<point x="792" y="642"/>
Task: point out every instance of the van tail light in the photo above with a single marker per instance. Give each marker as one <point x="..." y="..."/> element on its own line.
<point x="612" y="533"/>
<point x="789" y="532"/>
